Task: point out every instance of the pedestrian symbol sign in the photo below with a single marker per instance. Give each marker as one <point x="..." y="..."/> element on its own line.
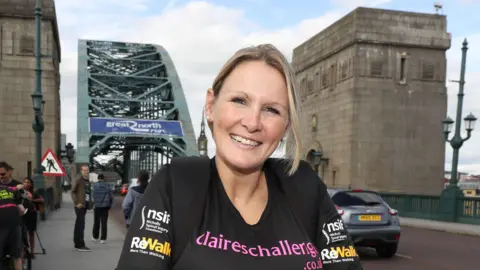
<point x="51" y="166"/>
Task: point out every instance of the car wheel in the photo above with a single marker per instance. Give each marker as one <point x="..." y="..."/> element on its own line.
<point x="387" y="250"/>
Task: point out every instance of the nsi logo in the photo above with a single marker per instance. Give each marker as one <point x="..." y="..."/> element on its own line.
<point x="335" y="226"/>
<point x="163" y="217"/>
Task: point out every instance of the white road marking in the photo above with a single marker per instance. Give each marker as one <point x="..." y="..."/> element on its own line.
<point x="403" y="256"/>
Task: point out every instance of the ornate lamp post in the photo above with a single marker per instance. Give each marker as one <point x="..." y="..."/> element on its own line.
<point x="70" y="152"/>
<point x="38" y="102"/>
<point x="448" y="201"/>
<point x="318" y="159"/>
<point x="457" y="141"/>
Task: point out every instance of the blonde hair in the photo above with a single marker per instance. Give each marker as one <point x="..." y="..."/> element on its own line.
<point x="274" y="58"/>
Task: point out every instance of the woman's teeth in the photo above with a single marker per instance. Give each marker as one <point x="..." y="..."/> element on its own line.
<point x="244" y="141"/>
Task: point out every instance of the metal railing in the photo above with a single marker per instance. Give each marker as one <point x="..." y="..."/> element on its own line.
<point x="428" y="207"/>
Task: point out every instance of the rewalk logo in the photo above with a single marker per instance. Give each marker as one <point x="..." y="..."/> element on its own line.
<point x="149" y="246"/>
<point x="338" y="254"/>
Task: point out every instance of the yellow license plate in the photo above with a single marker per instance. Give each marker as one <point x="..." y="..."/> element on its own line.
<point x="369" y="218"/>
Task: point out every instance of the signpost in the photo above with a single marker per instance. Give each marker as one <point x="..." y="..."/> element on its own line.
<point x="51" y="165"/>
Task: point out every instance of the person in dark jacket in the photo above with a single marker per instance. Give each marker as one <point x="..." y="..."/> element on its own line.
<point x="134" y="195"/>
<point x="102" y="199"/>
<point x="82" y="200"/>
<point x="249" y="220"/>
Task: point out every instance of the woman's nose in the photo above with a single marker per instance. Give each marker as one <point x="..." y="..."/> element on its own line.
<point x="252" y="121"/>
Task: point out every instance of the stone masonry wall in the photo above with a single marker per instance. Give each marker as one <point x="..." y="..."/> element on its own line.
<point x="329" y="96"/>
<point x="17" y="83"/>
<point x="381" y="105"/>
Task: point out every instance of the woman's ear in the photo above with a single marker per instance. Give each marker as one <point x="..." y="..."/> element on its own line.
<point x="210" y="99"/>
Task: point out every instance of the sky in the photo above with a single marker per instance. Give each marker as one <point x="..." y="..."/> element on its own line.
<point x="201" y="35"/>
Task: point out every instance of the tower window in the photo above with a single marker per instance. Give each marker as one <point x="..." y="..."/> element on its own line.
<point x="428" y="72"/>
<point x="403" y="62"/>
<point x="376" y="68"/>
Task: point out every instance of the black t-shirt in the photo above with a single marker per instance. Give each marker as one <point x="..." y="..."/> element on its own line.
<point x="9" y="199"/>
<point x="12" y="183"/>
<point x="225" y="241"/>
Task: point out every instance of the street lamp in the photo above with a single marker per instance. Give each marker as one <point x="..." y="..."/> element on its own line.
<point x="318" y="159"/>
<point x="457" y="141"/>
<point x="470" y="123"/>
<point x="450" y="195"/>
<point x="70" y="152"/>
<point x="38" y="102"/>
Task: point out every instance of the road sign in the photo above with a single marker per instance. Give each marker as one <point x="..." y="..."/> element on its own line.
<point x="51" y="165"/>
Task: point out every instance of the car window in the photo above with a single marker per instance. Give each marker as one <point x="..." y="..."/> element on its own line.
<point x="349" y="198"/>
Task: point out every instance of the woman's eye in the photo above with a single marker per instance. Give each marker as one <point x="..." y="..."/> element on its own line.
<point x="238" y="100"/>
<point x="273" y="110"/>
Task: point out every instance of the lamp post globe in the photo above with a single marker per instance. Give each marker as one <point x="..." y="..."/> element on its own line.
<point x="70" y="152"/>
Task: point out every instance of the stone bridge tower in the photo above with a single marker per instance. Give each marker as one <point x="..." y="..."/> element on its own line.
<point x="17" y="83"/>
<point x="374" y="98"/>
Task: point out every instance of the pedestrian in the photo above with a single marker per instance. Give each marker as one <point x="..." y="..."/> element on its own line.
<point x="242" y="209"/>
<point x="82" y="200"/>
<point x="14" y="234"/>
<point x="102" y="199"/>
<point x="134" y="195"/>
<point x="31" y="217"/>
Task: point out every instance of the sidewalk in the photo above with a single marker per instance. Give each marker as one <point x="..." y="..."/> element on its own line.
<point x="451" y="227"/>
<point x="56" y="234"/>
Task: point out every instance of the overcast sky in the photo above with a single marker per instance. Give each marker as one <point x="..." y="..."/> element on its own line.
<point x="201" y="35"/>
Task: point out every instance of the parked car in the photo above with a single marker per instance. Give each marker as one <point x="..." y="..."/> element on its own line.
<point x="369" y="219"/>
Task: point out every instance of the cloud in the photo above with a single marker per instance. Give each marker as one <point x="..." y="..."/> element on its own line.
<point x="201" y="36"/>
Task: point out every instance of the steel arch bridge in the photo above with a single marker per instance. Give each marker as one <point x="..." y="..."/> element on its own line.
<point x="131" y="107"/>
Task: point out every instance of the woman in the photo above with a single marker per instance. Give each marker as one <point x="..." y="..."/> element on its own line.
<point x="31" y="217"/>
<point x="134" y="196"/>
<point x="247" y="223"/>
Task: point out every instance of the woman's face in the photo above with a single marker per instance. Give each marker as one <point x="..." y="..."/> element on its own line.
<point x="27" y="183"/>
<point x="249" y="116"/>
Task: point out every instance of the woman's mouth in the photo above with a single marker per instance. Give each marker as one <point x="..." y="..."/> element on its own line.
<point x="244" y="141"/>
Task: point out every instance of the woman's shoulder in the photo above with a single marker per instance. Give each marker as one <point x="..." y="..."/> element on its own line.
<point x="282" y="166"/>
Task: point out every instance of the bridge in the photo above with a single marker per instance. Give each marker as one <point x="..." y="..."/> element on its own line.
<point x="131" y="108"/>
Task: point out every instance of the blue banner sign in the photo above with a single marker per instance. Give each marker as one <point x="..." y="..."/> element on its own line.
<point x="135" y="126"/>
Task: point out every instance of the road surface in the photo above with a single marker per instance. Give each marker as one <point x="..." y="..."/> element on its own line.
<point x="419" y="249"/>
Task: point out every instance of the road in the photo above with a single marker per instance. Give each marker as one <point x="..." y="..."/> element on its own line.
<point x="419" y="249"/>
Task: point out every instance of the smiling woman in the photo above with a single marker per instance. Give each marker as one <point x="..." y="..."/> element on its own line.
<point x="254" y="97"/>
<point x="242" y="209"/>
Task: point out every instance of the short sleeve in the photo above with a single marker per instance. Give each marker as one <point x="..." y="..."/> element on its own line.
<point x="148" y="243"/>
<point x="334" y="243"/>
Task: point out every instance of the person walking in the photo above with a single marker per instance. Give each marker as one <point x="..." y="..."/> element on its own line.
<point x="103" y="199"/>
<point x="81" y="196"/>
<point x="133" y="197"/>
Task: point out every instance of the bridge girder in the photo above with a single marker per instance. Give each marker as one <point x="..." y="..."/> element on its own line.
<point x="129" y="81"/>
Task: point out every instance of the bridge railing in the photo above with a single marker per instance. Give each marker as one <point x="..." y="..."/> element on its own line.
<point x="468" y="210"/>
<point x="428" y="207"/>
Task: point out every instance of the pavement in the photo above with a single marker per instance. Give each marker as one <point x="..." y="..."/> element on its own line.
<point x="451" y="227"/>
<point x="56" y="235"/>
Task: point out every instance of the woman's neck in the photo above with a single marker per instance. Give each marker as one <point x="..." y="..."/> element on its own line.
<point x="241" y="187"/>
